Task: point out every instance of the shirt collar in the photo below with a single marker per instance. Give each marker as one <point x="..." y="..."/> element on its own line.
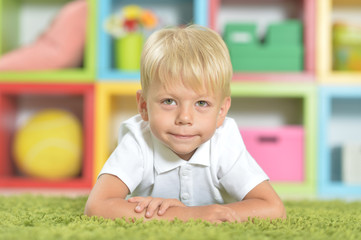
<point x="165" y="159"/>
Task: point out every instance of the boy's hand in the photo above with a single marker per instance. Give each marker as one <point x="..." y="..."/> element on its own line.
<point x="152" y="204"/>
<point x="216" y="213"/>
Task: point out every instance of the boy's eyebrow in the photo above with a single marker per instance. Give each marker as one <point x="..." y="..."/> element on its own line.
<point x="175" y="95"/>
<point x="205" y="96"/>
<point x="172" y="91"/>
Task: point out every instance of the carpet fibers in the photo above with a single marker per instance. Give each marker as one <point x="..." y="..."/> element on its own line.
<point x="40" y="217"/>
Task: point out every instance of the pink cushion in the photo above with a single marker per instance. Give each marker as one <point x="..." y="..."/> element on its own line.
<point x="61" y="46"/>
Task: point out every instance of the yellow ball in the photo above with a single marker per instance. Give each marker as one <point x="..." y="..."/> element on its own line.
<point x="49" y="145"/>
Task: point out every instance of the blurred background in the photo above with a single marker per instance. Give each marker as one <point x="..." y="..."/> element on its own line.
<point x="69" y="71"/>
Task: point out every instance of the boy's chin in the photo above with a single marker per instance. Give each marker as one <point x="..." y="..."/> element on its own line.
<point x="185" y="156"/>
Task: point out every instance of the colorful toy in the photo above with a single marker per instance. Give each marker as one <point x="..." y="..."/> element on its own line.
<point x="129" y="27"/>
<point x="346" y="47"/>
<point x="130" y="19"/>
<point x="49" y="145"/>
<point x="61" y="46"/>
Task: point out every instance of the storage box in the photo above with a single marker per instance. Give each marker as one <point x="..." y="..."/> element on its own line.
<point x="279" y="151"/>
<point x="285" y="33"/>
<point x="267" y="58"/>
<point x="243" y="34"/>
<point x="351" y="164"/>
<point x="291" y="64"/>
<point x="281" y="52"/>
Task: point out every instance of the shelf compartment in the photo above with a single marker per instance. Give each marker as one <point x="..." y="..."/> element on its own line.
<point x="174" y="12"/>
<point x="339" y="128"/>
<point x="277" y="106"/>
<point x="18" y="102"/>
<point x="278" y="150"/>
<point x="329" y="11"/>
<point x="22" y="22"/>
<point x="115" y="102"/>
<point x="222" y="11"/>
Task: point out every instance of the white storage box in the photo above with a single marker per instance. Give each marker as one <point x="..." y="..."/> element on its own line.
<point x="351" y="163"/>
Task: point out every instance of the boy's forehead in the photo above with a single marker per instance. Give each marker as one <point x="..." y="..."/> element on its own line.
<point x="176" y="84"/>
<point x="174" y="87"/>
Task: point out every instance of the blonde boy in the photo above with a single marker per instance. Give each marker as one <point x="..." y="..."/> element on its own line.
<point x="181" y="157"/>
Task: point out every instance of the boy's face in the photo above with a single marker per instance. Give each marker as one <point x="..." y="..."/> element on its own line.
<point x="182" y="118"/>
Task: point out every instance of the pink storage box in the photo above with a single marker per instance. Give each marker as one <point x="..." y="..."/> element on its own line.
<point x="279" y="151"/>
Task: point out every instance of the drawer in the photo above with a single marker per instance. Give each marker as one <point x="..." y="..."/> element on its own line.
<point x="279" y="151"/>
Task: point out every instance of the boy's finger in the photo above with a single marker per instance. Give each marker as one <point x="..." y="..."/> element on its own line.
<point x="142" y="204"/>
<point x="138" y="209"/>
<point x="163" y="208"/>
<point x="153" y="206"/>
<point x="136" y="199"/>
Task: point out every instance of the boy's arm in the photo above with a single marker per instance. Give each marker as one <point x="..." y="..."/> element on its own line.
<point x="261" y="202"/>
<point x="107" y="199"/>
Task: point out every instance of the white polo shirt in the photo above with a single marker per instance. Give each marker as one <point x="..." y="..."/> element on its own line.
<point x="220" y="171"/>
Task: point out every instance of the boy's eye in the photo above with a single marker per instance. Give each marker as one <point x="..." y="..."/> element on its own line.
<point x="202" y="104"/>
<point x="169" y="101"/>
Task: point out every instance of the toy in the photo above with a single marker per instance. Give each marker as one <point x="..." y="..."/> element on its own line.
<point x="129" y="27"/>
<point x="61" y="46"/>
<point x="49" y="145"/>
<point x="346" y="47"/>
<point x="130" y="19"/>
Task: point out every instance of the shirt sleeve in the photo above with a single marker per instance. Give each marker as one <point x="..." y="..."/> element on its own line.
<point x="126" y="161"/>
<point x="240" y="173"/>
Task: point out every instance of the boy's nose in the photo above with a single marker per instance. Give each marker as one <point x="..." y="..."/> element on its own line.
<point x="184" y="116"/>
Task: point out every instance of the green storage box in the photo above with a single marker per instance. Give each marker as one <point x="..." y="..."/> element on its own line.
<point x="276" y="64"/>
<point x="266" y="51"/>
<point x="282" y="51"/>
<point x="285" y="33"/>
<point x="267" y="58"/>
<point x="240" y="34"/>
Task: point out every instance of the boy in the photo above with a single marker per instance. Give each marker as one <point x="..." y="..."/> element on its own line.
<point x="181" y="157"/>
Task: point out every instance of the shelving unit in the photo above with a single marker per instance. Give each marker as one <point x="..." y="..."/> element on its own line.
<point x="339" y="126"/>
<point x="115" y="102"/>
<point x="174" y="12"/>
<point x="22" y="22"/>
<point x="275" y="105"/>
<point x="18" y="102"/>
<point x="328" y="12"/>
<point x="224" y="11"/>
<point x="272" y="102"/>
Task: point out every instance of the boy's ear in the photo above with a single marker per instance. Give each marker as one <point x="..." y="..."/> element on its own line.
<point x="142" y="105"/>
<point x="223" y="111"/>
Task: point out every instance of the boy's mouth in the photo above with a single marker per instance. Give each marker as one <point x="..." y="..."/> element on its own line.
<point x="182" y="136"/>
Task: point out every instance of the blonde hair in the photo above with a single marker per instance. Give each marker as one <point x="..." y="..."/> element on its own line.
<point x="195" y="56"/>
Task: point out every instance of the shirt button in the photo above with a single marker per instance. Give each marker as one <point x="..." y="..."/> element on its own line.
<point x="185" y="196"/>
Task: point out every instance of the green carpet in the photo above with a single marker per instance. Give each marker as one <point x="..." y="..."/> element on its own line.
<point x="39" y="217"/>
